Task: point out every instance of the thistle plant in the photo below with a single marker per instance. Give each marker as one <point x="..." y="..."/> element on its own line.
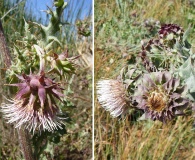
<point x="40" y="74"/>
<point x="34" y="105"/>
<point x="159" y="82"/>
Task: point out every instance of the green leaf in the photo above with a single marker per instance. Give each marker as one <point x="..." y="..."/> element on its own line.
<point x="52" y="38"/>
<point x="26" y="26"/>
<point x="128" y="81"/>
<point x="64" y="63"/>
<point x="143" y="117"/>
<point x="191" y="96"/>
<point x="39" y="50"/>
<point x="190" y="83"/>
<point x="186" y="69"/>
<point x="59" y="3"/>
<point x="187" y="32"/>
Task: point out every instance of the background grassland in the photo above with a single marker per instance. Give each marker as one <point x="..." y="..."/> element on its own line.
<point x="119" y="29"/>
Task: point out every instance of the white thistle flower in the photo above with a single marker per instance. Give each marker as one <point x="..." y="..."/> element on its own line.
<point x="111" y="96"/>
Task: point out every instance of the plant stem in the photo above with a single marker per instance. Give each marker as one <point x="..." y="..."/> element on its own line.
<point x="6" y="60"/>
<point x="25" y="144"/>
<point x="6" y="57"/>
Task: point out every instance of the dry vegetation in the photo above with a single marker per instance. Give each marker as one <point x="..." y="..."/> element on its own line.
<point x="118" y="31"/>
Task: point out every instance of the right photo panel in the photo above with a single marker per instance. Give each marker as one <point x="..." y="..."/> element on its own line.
<point x="144" y="74"/>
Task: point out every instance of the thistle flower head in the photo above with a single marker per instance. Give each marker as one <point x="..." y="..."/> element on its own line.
<point x="111" y="96"/>
<point x="34" y="105"/>
<point x="61" y="64"/>
<point x="160" y="96"/>
<point x="169" y="33"/>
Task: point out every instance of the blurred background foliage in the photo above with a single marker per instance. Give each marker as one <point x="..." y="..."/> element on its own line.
<point x="75" y="35"/>
<point x="121" y="26"/>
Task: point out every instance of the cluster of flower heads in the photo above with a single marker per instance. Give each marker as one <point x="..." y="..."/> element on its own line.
<point x="150" y="86"/>
<point x="162" y="51"/>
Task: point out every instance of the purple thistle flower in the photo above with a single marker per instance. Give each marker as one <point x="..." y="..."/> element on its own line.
<point x="160" y="96"/>
<point x="166" y="29"/>
<point x="34" y="105"/>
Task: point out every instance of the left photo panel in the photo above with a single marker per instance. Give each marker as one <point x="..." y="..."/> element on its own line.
<point x="46" y="65"/>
